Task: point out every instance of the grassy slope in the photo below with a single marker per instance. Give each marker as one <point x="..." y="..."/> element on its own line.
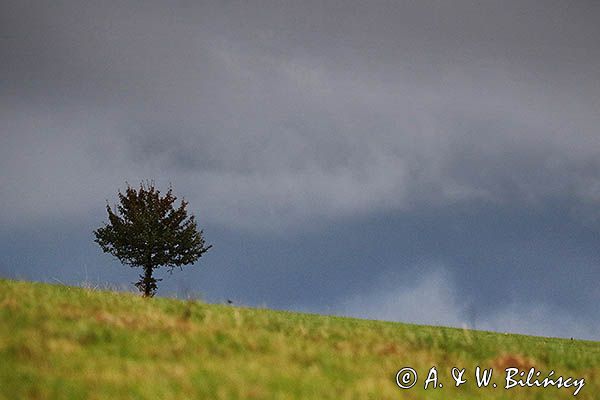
<point x="63" y="342"/>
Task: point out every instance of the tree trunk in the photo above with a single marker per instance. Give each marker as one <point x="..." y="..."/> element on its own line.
<point x="148" y="280"/>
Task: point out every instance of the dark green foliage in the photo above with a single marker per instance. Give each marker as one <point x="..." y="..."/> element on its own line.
<point x="146" y="231"/>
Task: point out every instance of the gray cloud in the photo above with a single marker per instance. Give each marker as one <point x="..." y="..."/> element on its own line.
<point x="271" y="114"/>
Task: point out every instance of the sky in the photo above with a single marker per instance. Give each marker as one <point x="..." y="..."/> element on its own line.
<point x="428" y="162"/>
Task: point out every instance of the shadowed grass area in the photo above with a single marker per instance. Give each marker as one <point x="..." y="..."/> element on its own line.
<point x="59" y="342"/>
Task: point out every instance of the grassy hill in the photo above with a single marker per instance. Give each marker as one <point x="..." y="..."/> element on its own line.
<point x="59" y="342"/>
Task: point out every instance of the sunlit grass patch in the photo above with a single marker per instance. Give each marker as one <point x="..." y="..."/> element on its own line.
<point x="60" y="342"/>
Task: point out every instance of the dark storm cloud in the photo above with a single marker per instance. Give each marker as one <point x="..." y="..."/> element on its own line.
<point x="277" y="116"/>
<point x="319" y="108"/>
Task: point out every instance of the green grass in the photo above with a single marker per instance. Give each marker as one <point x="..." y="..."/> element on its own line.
<point x="59" y="342"/>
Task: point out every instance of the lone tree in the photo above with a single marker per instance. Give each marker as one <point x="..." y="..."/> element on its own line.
<point x="146" y="231"/>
